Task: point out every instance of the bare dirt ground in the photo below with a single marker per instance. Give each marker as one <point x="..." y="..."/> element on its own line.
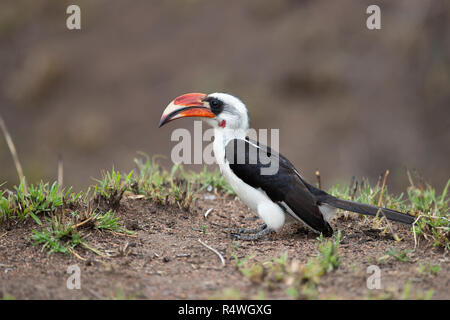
<point x="164" y="260"/>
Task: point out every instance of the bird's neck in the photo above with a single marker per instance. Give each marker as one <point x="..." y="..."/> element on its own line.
<point x="221" y="137"/>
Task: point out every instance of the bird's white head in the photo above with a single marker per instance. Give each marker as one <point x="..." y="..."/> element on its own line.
<point x="220" y="110"/>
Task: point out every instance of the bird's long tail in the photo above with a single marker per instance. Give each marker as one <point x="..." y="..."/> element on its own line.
<point x="368" y="209"/>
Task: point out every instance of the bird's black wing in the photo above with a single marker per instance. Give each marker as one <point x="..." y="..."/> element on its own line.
<point x="251" y="162"/>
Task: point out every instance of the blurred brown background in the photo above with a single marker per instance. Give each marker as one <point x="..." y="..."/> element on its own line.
<point x="348" y="100"/>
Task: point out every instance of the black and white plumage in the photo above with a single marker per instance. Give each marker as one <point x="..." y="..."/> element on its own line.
<point x="275" y="196"/>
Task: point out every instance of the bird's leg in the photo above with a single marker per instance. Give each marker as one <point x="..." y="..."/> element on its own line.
<point x="261" y="227"/>
<point x="255" y="236"/>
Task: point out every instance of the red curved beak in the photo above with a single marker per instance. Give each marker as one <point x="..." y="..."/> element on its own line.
<point x="187" y="105"/>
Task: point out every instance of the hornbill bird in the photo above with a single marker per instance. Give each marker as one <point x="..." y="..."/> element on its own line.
<point x="274" y="196"/>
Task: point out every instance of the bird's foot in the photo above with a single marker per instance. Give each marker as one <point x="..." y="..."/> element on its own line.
<point x="261" y="227"/>
<point x="249" y="237"/>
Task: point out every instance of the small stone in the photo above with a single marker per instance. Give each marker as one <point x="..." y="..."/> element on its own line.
<point x="209" y="197"/>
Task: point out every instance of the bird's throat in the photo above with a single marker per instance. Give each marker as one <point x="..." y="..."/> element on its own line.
<point x="221" y="137"/>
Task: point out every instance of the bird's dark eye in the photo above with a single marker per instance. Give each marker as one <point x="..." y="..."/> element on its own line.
<point x="216" y="105"/>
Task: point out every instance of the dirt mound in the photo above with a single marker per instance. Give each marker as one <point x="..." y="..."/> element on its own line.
<point x="163" y="259"/>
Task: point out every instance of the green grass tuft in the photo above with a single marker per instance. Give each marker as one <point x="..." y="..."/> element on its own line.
<point x="301" y="279"/>
<point x="433" y="214"/>
<point x="210" y="180"/>
<point x="402" y="256"/>
<point x="328" y="257"/>
<point x="57" y="237"/>
<point x="162" y="186"/>
<point x="109" y="221"/>
<point x="110" y="188"/>
<point x="432" y="210"/>
<point x="40" y="200"/>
